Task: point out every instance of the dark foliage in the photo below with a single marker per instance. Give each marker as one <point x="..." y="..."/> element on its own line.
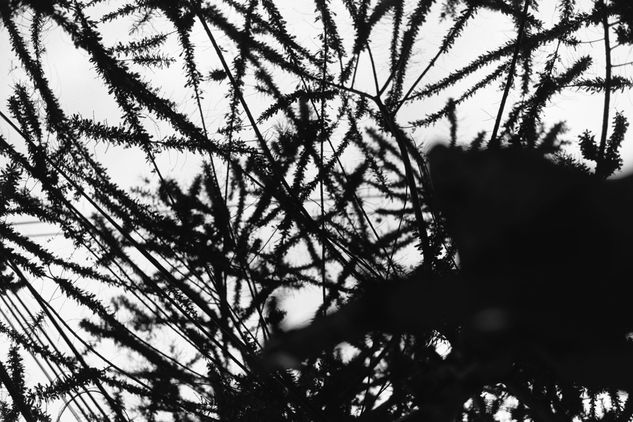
<point x="172" y="289"/>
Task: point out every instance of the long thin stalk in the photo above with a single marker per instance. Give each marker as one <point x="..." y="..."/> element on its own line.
<point x="443" y="49"/>
<point x="401" y="140"/>
<point x="515" y="56"/>
<point x="321" y="137"/>
<point x="113" y="405"/>
<point x="607" y="90"/>
<point x="277" y="176"/>
<point x="342" y="168"/>
<point x="57" y="373"/>
<point x="173" y="281"/>
<point x="373" y="70"/>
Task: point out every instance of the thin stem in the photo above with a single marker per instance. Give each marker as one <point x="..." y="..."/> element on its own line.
<point x="443" y="49"/>
<point x="402" y="141"/>
<point x="338" y="160"/>
<point x="53" y="316"/>
<point x="607" y="90"/>
<point x="392" y="75"/>
<point x="515" y="56"/>
<point x="621" y="64"/>
<point x="373" y="70"/>
<point x="203" y="305"/>
<point x="44" y="306"/>
<point x="276" y="174"/>
<point x="353" y="74"/>
<point x="322" y="121"/>
<point x="57" y="373"/>
<point x="348" y="89"/>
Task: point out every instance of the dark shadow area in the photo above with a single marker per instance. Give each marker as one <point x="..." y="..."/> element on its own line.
<point x="542" y="285"/>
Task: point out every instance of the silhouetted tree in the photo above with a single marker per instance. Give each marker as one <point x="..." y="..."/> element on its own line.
<point x="184" y="279"/>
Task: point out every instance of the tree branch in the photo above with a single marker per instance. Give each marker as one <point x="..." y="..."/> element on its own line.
<point x="607" y="90"/>
<point x="515" y="57"/>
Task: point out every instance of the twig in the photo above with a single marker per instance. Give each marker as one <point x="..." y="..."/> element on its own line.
<point x="373" y="69"/>
<point x="277" y="175"/>
<point x="515" y="56"/>
<point x="401" y="140"/>
<point x="607" y="90"/>
<point x="321" y="137"/>
<point x="392" y="75"/>
<point x="44" y="306"/>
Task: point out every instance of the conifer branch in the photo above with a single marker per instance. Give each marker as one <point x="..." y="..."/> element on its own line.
<point x="607" y="89"/>
<point x="494" y="142"/>
<point x="44" y="306"/>
<point x="403" y="142"/>
<point x="277" y="176"/>
<point x="16" y="395"/>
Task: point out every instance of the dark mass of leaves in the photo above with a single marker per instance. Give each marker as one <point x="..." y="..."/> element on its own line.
<point x="171" y="289"/>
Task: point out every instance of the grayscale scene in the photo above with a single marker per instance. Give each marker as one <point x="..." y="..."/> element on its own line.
<point x="316" y="210"/>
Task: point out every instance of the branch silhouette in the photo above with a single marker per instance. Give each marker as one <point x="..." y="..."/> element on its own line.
<point x="543" y="265"/>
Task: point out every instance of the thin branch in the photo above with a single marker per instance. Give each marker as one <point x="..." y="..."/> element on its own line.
<point x="607" y="90"/>
<point x="57" y="373"/>
<point x="622" y="64"/>
<point x="373" y="69"/>
<point x="443" y="49"/>
<point x="45" y="307"/>
<point x="515" y="57"/>
<point x="591" y="42"/>
<point x="276" y="173"/>
<point x="321" y="137"/>
<point x="392" y="75"/>
<point x="402" y="142"/>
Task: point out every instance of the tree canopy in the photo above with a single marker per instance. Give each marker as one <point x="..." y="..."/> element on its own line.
<point x="307" y="174"/>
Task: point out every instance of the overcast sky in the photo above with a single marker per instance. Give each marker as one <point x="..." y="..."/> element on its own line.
<point x="81" y="91"/>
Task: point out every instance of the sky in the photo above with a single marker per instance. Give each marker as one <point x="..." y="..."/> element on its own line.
<point x="80" y="91"/>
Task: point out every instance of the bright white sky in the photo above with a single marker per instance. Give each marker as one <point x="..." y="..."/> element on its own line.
<point x="73" y="80"/>
<point x="81" y="92"/>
